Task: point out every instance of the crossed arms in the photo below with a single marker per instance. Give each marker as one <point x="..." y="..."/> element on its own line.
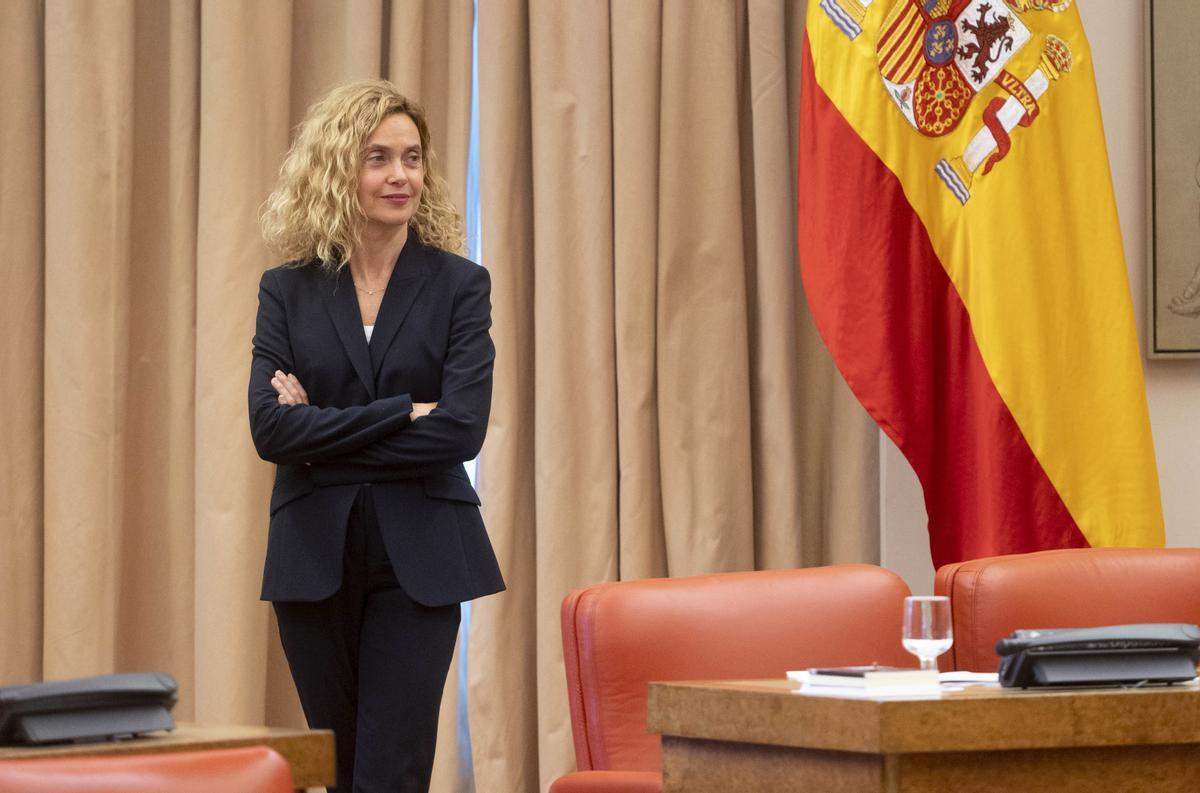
<point x="391" y="437"/>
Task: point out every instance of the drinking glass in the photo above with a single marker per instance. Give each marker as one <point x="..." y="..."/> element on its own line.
<point x="927" y="630"/>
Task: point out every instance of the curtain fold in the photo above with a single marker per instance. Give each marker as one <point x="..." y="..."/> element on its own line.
<point x="503" y="644"/>
<point x="22" y="312"/>
<point x="333" y="43"/>
<point x="704" y="410"/>
<point x="575" y="400"/>
<point x="635" y="66"/>
<point x="157" y="469"/>
<point x="89" y="147"/>
<point x="245" y="51"/>
<point x="777" y="383"/>
<point x="663" y="404"/>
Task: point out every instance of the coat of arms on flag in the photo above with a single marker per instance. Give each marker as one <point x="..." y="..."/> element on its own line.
<point x="935" y="56"/>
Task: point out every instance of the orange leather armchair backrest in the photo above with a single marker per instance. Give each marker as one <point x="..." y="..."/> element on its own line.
<point x="1075" y="588"/>
<point x="252" y="769"/>
<point x="620" y="636"/>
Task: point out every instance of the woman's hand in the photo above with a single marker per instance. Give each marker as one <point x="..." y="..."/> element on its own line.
<point x="289" y="388"/>
<point x="421" y="409"/>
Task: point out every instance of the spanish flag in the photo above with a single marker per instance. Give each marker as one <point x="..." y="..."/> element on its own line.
<point x="962" y="260"/>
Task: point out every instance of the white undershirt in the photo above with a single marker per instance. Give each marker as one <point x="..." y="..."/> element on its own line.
<point x="368" y="329"/>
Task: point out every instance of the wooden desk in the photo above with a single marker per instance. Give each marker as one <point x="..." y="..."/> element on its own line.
<point x="762" y="736"/>
<point x="308" y="752"/>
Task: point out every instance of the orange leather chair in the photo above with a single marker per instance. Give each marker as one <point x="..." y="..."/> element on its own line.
<point x="1076" y="588"/>
<point x="618" y="637"/>
<point x="252" y="769"/>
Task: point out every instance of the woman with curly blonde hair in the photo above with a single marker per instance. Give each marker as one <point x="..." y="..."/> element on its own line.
<point x="370" y="386"/>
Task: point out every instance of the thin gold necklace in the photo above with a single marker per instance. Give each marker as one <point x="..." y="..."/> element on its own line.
<point x="370" y="292"/>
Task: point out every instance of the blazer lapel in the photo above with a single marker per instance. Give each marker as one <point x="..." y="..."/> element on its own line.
<point x="342" y="304"/>
<point x="408" y="278"/>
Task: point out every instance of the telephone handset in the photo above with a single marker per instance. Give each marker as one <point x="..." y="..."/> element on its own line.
<point x="1110" y="655"/>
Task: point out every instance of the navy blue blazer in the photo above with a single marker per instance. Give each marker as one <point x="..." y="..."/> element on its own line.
<point x="430" y="344"/>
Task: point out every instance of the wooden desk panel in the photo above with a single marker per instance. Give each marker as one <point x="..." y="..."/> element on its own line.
<point x="310" y="753"/>
<point x="761" y="736"/>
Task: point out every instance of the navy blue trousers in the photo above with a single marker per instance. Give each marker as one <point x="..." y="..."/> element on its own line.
<point x="370" y="663"/>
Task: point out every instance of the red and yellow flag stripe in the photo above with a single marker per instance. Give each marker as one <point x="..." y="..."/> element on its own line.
<point x="976" y="300"/>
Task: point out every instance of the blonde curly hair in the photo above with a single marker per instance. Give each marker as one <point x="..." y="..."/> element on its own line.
<point x="314" y="210"/>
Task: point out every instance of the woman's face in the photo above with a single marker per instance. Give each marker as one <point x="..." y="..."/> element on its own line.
<point x="392" y="173"/>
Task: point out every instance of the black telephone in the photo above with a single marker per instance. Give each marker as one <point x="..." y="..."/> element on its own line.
<point x="1107" y="656"/>
<point x="102" y="708"/>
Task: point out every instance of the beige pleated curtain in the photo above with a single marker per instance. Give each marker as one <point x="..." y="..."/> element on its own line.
<point x="662" y="405"/>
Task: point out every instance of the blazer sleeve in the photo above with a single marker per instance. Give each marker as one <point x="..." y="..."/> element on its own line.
<point x="453" y="432"/>
<point x="305" y="433"/>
